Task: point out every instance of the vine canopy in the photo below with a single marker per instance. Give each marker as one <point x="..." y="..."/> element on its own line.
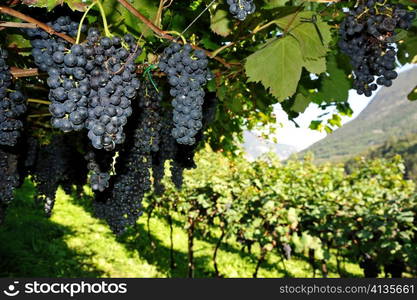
<point x="285" y="52"/>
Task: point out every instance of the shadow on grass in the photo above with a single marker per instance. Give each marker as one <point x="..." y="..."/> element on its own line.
<point x="33" y="246"/>
<point x="136" y="239"/>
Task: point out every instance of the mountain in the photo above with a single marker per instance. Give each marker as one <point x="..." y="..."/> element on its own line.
<point x="255" y="146"/>
<point x="404" y="146"/>
<point x="389" y="114"/>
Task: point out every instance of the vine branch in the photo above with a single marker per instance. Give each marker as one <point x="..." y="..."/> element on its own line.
<point x="17" y="73"/>
<point x="17" y="25"/>
<point x="50" y="30"/>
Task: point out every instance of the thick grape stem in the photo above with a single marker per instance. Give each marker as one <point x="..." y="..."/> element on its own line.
<point x="19" y="15"/>
<point x="82" y="21"/>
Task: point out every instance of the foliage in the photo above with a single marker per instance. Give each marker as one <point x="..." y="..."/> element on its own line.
<point x="368" y="212"/>
<point x="75" y="244"/>
<point x="404" y="146"/>
<point x="266" y="59"/>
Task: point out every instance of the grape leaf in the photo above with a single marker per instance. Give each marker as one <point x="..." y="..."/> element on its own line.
<point x="220" y="23"/>
<point x="315" y="66"/>
<point x="335" y="84"/>
<point x="116" y="13"/>
<point x="300" y="104"/>
<point x="277" y="66"/>
<point x="407" y="48"/>
<point x="313" y="38"/>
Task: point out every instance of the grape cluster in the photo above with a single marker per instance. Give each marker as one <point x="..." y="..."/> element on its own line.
<point x="66" y="68"/>
<point x="56" y="163"/>
<point x="187" y="73"/>
<point x="150" y="104"/>
<point x="5" y="76"/>
<point x="12" y="106"/>
<point x="9" y="177"/>
<point x="121" y="204"/>
<point x="114" y="84"/>
<point x="367" y="38"/>
<point x="240" y="9"/>
<point x="91" y="84"/>
<point x="99" y="164"/>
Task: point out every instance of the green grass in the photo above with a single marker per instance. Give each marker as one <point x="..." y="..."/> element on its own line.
<point x="72" y="243"/>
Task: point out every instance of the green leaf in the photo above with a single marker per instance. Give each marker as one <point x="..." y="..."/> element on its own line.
<point x="118" y="14"/>
<point x="270" y="4"/>
<point x="412" y="96"/>
<point x="220" y="23"/>
<point x="335" y="84"/>
<point x="315" y="66"/>
<point x="277" y="66"/>
<point x="300" y="104"/>
<point x="313" y="38"/>
<point x="407" y="48"/>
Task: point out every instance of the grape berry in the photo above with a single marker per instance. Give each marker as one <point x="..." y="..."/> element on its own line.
<point x="240" y="9"/>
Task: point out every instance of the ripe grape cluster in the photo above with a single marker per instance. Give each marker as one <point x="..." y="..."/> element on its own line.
<point x="9" y="177"/>
<point x="49" y="168"/>
<point x="367" y="38"/>
<point x="121" y="204"/>
<point x="12" y="106"/>
<point x="187" y="73"/>
<point x="240" y="9"/>
<point x="114" y="85"/>
<point x="91" y="84"/>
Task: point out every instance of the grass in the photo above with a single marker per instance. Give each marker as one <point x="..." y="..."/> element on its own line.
<point x="72" y="243"/>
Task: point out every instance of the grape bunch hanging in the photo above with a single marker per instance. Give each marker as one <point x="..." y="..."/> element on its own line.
<point x="367" y="37"/>
<point x="91" y="84"/>
<point x="12" y="111"/>
<point x="187" y="73"/>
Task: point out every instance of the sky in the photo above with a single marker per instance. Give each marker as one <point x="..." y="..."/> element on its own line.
<point x="303" y="137"/>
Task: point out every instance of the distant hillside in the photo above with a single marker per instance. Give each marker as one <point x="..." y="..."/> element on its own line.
<point x="389" y="114"/>
<point x="406" y="147"/>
